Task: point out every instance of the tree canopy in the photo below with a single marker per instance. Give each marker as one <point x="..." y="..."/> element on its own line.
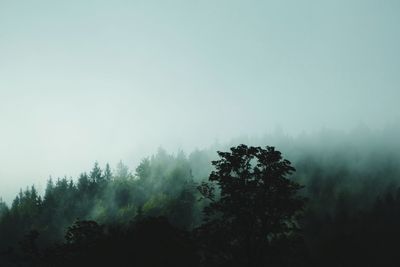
<point x="253" y="203"/>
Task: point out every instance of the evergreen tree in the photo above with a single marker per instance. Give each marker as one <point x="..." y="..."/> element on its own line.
<point x="96" y="175"/>
<point x="107" y="173"/>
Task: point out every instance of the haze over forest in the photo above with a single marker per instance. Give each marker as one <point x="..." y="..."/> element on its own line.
<point x="199" y="133"/>
<point x="107" y="81"/>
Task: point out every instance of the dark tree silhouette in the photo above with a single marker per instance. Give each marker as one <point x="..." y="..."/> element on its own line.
<point x="148" y="242"/>
<point x="253" y="207"/>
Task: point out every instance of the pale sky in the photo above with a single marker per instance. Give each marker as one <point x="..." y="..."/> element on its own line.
<point x="82" y="81"/>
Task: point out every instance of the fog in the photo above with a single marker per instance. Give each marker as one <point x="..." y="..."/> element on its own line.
<point x="109" y="81"/>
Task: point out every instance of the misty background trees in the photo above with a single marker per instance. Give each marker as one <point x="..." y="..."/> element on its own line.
<point x="350" y="218"/>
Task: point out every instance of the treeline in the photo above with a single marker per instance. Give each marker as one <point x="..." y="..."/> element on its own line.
<point x="351" y="216"/>
<point x="162" y="185"/>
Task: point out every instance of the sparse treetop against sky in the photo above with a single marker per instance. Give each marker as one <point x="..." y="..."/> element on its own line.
<point x="98" y="80"/>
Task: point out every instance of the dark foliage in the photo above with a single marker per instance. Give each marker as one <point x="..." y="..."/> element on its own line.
<point x="146" y="242"/>
<point x="153" y="217"/>
<point x="254" y="214"/>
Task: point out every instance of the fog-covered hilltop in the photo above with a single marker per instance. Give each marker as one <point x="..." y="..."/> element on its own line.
<point x="112" y="113"/>
<point x="111" y="80"/>
<point x="351" y="181"/>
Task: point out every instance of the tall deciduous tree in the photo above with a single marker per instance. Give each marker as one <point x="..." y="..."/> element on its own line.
<point x="253" y="204"/>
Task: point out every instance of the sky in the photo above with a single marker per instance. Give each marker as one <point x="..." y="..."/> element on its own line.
<point x="82" y="81"/>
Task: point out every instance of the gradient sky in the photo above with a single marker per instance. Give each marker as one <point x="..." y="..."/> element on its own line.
<point x="107" y="80"/>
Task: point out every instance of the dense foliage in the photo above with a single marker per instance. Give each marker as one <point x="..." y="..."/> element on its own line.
<point x="256" y="207"/>
<point x="350" y="218"/>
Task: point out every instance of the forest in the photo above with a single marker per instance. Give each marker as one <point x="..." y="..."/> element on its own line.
<point x="257" y="133"/>
<point x="316" y="203"/>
